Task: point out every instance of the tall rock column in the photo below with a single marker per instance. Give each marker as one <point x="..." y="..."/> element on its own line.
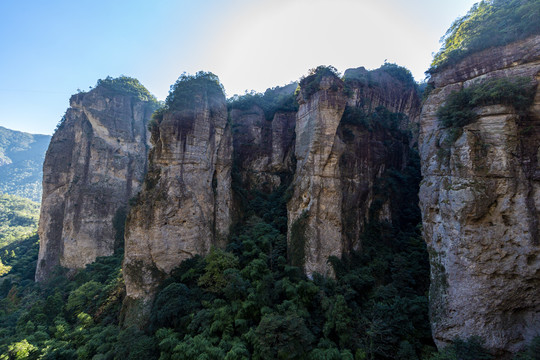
<point x="184" y="207"/>
<point x="480" y="202"/>
<point x="314" y="210"/>
<point x="95" y="163"/>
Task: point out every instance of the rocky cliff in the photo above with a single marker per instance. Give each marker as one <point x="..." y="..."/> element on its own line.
<point x="184" y="207"/>
<point x="480" y="202"/>
<point x="337" y="148"/>
<point x="348" y="135"/>
<point x="95" y="163"/>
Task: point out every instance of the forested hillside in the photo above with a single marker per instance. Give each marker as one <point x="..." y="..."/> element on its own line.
<point x="18" y="218"/>
<point x="21" y="163"/>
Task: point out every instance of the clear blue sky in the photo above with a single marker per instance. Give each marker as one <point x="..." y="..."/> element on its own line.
<point x="49" y="49"/>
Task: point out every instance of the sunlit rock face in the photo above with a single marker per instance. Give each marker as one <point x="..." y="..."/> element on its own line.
<point x="340" y="160"/>
<point x="184" y="207"/>
<point x="95" y="163"/>
<point x="480" y="201"/>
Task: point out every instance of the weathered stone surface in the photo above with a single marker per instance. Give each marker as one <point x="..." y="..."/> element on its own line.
<point x="95" y="163"/>
<point x="314" y="211"/>
<point x="184" y="207"/>
<point x="480" y="198"/>
<point x="263" y="148"/>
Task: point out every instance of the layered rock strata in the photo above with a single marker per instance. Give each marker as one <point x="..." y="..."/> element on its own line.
<point x="184" y="207"/>
<point x="95" y="163"/>
<point x="480" y="202"/>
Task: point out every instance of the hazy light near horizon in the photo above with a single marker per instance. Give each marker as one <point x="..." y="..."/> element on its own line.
<point x="269" y="44"/>
<point x="57" y="47"/>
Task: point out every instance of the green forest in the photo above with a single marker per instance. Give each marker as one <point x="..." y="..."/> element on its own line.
<point x="18" y="218"/>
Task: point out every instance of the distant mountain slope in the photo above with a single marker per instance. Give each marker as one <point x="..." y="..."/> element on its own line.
<point x="21" y="163"/>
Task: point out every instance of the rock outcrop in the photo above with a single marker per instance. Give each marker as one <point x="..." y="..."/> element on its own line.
<point x="184" y="207"/>
<point x="343" y="151"/>
<point x="480" y="202"/>
<point x="95" y="163"/>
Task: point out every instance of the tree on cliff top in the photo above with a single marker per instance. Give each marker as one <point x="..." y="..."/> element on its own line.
<point x="126" y="85"/>
<point x="184" y="90"/>
<point x="488" y="23"/>
<point x="309" y="84"/>
<point x="187" y="86"/>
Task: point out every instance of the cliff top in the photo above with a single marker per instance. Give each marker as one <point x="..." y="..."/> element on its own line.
<point x="488" y="24"/>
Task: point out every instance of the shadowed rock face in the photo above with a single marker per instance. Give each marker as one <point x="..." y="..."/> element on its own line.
<point x="184" y="207"/>
<point x="263" y="148"/>
<point x="480" y="202"/>
<point x="95" y="163"/>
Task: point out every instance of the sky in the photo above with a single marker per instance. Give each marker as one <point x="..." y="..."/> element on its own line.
<point x="51" y="49"/>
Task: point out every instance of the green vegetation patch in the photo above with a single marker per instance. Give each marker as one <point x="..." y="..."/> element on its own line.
<point x="458" y="110"/>
<point x="297" y="246"/>
<point x="127" y="86"/>
<point x="185" y="91"/>
<point x="400" y="73"/>
<point x="310" y="84"/>
<point x="279" y="99"/>
<point x="18" y="218"/>
<point x="380" y="117"/>
<point x="371" y="78"/>
<point x="487" y="24"/>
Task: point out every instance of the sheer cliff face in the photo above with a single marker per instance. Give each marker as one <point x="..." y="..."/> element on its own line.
<point x="480" y="202"/>
<point x="95" y="162"/>
<point x="340" y="160"/>
<point x="184" y="206"/>
<point x="314" y="211"/>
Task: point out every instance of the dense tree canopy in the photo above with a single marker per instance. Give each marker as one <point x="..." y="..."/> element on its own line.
<point x="18" y="218"/>
<point x="127" y="86"/>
